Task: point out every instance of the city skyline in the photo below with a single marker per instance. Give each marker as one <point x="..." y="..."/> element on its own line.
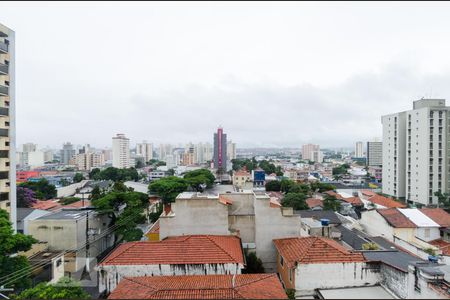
<point x="333" y="105"/>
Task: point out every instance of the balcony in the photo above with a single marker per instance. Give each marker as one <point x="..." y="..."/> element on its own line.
<point x="4" y="111"/>
<point x="4" y="90"/>
<point x="4" y="69"/>
<point x="4" y="132"/>
<point x="3" y="48"/>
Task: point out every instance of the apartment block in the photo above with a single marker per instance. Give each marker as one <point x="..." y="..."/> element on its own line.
<point x="309" y="150"/>
<point x="7" y="123"/>
<point x="145" y="150"/>
<point x="374" y="154"/>
<point x="359" y="150"/>
<point x="416" y="152"/>
<point x="121" y="151"/>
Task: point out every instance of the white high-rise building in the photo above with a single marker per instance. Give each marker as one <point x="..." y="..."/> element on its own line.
<point x="416" y="152"/>
<point x="164" y="150"/>
<point x="145" y="150"/>
<point x="308" y="151"/>
<point x="8" y="123"/>
<point x="29" y="147"/>
<point x="35" y="159"/>
<point x="374" y="153"/>
<point x="231" y="150"/>
<point x="121" y="151"/>
<point x="359" y="150"/>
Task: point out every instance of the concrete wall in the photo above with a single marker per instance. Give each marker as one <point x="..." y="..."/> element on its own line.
<point x="241" y="216"/>
<point x="70" y="190"/>
<point x="309" y="277"/>
<point x="271" y="224"/>
<point x="395" y="280"/>
<point x="374" y="224"/>
<point x="110" y="276"/>
<point x="428" y="234"/>
<point x="195" y="216"/>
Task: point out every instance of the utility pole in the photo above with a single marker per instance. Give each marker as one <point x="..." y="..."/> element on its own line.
<point x="85" y="274"/>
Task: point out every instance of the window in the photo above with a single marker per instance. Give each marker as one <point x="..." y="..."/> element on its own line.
<point x="281" y="261"/>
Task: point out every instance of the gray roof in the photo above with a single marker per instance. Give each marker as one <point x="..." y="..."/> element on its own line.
<point x="22" y="213"/>
<point x="319" y="214"/>
<point x="365" y="292"/>
<point x="65" y="215"/>
<point x="394" y="258"/>
<point x="352" y="237"/>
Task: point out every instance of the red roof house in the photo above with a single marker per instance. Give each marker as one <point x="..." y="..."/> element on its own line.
<point x="242" y="286"/>
<point x="180" y="255"/>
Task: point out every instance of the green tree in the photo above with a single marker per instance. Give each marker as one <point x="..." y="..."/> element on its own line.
<point x="78" y="177"/>
<point x="273" y="186"/>
<point x="42" y="188"/>
<point x="295" y="200"/>
<point x="154" y="216"/>
<point x="25" y="197"/>
<point x="286" y="185"/>
<point x="443" y="199"/>
<point x="198" y="179"/>
<point x="126" y="209"/>
<point x="11" y="244"/>
<point x="115" y="174"/>
<point x="331" y="203"/>
<point x="321" y="187"/>
<point x="65" y="288"/>
<point x="94" y="174"/>
<point x="171" y="172"/>
<point x="96" y="193"/>
<point x="290" y="293"/>
<point x="342" y="169"/>
<point x="168" y="188"/>
<point x="139" y="164"/>
<point x="69" y="200"/>
<point x="254" y="264"/>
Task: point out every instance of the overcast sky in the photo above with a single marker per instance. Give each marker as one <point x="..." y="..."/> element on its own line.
<point x="272" y="74"/>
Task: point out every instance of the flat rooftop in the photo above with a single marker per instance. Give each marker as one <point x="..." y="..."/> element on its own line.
<point x="366" y="292"/>
<point x="65" y="215"/>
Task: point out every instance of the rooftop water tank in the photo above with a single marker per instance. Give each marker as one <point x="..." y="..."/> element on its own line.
<point x="325" y="222"/>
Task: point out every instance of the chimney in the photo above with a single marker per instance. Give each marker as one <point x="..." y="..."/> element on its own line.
<point x="167" y="208"/>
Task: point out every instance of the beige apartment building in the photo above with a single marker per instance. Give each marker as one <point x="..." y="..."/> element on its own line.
<point x="7" y="123"/>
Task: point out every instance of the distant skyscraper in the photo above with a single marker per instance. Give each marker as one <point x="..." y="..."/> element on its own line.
<point x="121" y="151"/>
<point x="374" y="154"/>
<point x="231" y="150"/>
<point x="220" y="150"/>
<point x="359" y="150"/>
<point x="29" y="147"/>
<point x="145" y="150"/>
<point x="66" y="153"/>
<point x="308" y="151"/>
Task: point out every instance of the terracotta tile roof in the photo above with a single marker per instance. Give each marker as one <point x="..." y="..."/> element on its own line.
<point x="333" y="193"/>
<point x="386" y="202"/>
<point x="444" y="246"/>
<point x="278" y="195"/>
<point x="78" y="204"/>
<point x="273" y="202"/>
<point x="368" y="193"/>
<point x="46" y="205"/>
<point x="242" y="173"/>
<point x="438" y="215"/>
<point x="313" y="202"/>
<point x="187" y="249"/>
<point x="314" y="250"/>
<point x="242" y="286"/>
<point x="395" y="218"/>
<point x="353" y="200"/>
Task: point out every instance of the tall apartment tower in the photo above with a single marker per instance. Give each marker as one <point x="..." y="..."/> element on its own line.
<point x="416" y="152"/>
<point x="374" y="154"/>
<point x="231" y="150"/>
<point x="308" y="151"/>
<point x="145" y="150"/>
<point x="121" y="151"/>
<point x="67" y="153"/>
<point x="220" y="150"/>
<point x="7" y="123"/>
<point x="359" y="150"/>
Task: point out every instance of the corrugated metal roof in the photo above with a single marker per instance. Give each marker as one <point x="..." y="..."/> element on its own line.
<point x="418" y="217"/>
